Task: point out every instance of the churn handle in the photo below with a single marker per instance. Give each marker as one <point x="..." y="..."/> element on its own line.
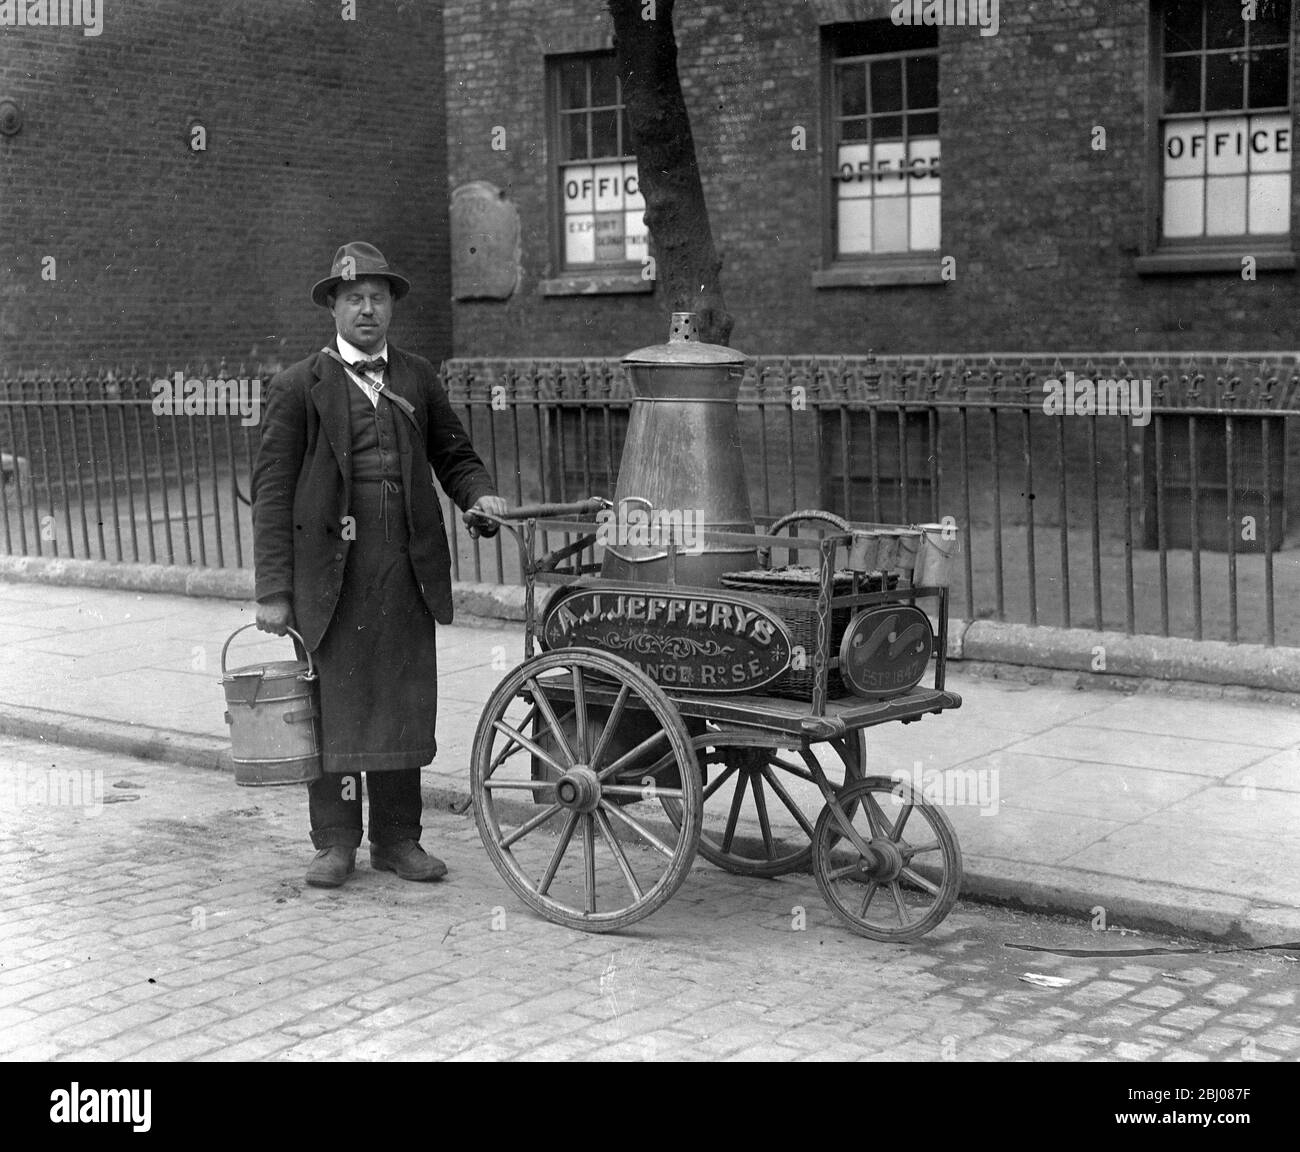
<point x="311" y="668"/>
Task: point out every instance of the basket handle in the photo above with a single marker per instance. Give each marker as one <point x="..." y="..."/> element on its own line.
<point x="311" y="668"/>
<point x="765" y="554"/>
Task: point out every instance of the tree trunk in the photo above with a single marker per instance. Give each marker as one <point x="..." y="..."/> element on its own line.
<point x="686" y="263"/>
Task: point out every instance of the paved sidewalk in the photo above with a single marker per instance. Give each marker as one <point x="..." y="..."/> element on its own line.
<point x="1148" y="810"/>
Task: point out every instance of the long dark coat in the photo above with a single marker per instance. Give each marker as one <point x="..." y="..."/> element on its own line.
<point x="302" y="484"/>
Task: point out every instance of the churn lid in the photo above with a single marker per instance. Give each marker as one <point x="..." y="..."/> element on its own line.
<point x="685" y="347"/>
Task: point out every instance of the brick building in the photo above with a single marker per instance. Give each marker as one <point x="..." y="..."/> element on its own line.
<point x="1105" y="169"/>
<point x="314" y="129"/>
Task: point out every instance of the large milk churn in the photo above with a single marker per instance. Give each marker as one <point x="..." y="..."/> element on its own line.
<point x="683" y="465"/>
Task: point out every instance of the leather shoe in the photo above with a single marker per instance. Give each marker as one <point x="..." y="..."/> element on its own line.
<point x="331" y="867"/>
<point x="408" y="860"/>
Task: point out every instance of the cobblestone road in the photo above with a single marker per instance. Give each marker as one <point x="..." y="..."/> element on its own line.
<point x="156" y="912"/>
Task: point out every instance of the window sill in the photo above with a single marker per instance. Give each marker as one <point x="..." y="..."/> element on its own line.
<point x="927" y="270"/>
<point x="1180" y="263"/>
<point x="596" y="284"/>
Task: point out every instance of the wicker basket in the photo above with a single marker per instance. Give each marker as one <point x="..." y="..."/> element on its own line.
<point x="764" y="585"/>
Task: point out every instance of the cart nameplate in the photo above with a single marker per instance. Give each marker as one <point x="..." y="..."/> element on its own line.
<point x="697" y="641"/>
<point x="885" y="651"/>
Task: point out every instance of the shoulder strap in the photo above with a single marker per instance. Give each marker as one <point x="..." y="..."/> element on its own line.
<point x="401" y="401"/>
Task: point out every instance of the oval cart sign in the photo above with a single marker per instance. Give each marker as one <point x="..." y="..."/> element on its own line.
<point x="696" y="641"/>
<point x="886" y="651"/>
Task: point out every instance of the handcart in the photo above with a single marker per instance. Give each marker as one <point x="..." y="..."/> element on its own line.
<point x="649" y="721"/>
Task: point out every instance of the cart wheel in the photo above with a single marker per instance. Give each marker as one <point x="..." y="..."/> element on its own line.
<point x="915" y="880"/>
<point x="748" y="777"/>
<point x="542" y="835"/>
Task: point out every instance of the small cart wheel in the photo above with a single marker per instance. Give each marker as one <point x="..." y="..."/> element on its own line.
<point x="749" y="778"/>
<point x="552" y="777"/>
<point x="916" y="875"/>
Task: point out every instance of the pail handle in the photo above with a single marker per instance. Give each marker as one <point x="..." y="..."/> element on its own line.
<point x="311" y="668"/>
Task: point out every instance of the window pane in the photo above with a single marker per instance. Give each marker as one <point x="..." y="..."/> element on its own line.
<point x="580" y="238"/>
<point x="1184" y="148"/>
<point x="1272" y="23"/>
<point x="854" y="220"/>
<point x="573" y="133"/>
<point x="891" y="224"/>
<point x="923" y="165"/>
<point x="1183" y="25"/>
<point x="1225" y="81"/>
<point x="1270" y="204"/>
<point x="890" y="168"/>
<point x="924" y="124"/>
<point x="1224" y="26"/>
<point x="1184" y="208"/>
<point x="853" y="172"/>
<point x="604" y="133"/>
<point x="1270" y="143"/>
<point x="887" y="127"/>
<point x="923" y="82"/>
<point x="638" y="241"/>
<point x="854" y="129"/>
<point x="887" y="86"/>
<point x="1183" y="84"/>
<point x="1225" y="205"/>
<point x="1227" y="146"/>
<point x="625" y="134"/>
<point x="853" y="90"/>
<point x="609" y="238"/>
<point x="632" y="198"/>
<point x="573" y="84"/>
<point x="925" y="222"/>
<point x="1268" y="76"/>
<point x="603" y="90"/>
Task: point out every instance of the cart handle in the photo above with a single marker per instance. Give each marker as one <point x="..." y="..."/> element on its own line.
<point x="585" y="507"/>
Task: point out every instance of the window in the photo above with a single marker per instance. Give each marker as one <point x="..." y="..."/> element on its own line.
<point x="600" y="205"/>
<point x="884" y="136"/>
<point x="1225" y="132"/>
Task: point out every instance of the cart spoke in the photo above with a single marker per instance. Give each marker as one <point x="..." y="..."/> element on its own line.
<point x="512" y="746"/>
<point x="516" y="785"/>
<point x="785" y="798"/>
<point x="536" y="749"/>
<point x="637" y="827"/>
<point x="920" y="881"/>
<point x="615" y="715"/>
<point x="723" y="776"/>
<point x="794" y="769"/>
<point x="877" y="819"/>
<point x="872" y="886"/>
<point x="631" y="756"/>
<point x="901" y="822"/>
<point x="602" y="821"/>
<point x="589" y="860"/>
<point x="737" y="799"/>
<point x="523" y="829"/>
<point x="580" y="713"/>
<point x="552" y="722"/>
<point x="854" y="869"/>
<point x="760" y="803"/>
<point x="554" y="866"/>
<point x="650" y="791"/>
<point x="898" y="903"/>
<point x="916" y="849"/>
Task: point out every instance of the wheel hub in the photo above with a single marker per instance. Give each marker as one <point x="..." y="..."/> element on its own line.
<point x="578" y="789"/>
<point x="889" y="861"/>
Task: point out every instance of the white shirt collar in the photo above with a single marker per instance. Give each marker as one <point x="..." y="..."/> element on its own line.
<point x="351" y="353"/>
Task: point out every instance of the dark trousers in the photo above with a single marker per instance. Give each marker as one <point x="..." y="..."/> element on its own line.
<point x="335" y="803"/>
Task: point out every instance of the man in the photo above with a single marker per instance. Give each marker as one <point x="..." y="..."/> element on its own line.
<point x="351" y="551"/>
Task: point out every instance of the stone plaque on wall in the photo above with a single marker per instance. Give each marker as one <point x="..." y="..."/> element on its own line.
<point x="485" y="251"/>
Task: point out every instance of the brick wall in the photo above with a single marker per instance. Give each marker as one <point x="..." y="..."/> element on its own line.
<point x="1044" y="229"/>
<point x="319" y="130"/>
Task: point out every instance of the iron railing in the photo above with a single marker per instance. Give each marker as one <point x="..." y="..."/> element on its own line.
<point x="1176" y="526"/>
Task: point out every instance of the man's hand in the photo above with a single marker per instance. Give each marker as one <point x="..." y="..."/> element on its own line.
<point x="493" y="506"/>
<point x="276" y="615"/>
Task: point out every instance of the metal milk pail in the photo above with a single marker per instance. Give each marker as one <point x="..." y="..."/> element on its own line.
<point x="274" y="719"/>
